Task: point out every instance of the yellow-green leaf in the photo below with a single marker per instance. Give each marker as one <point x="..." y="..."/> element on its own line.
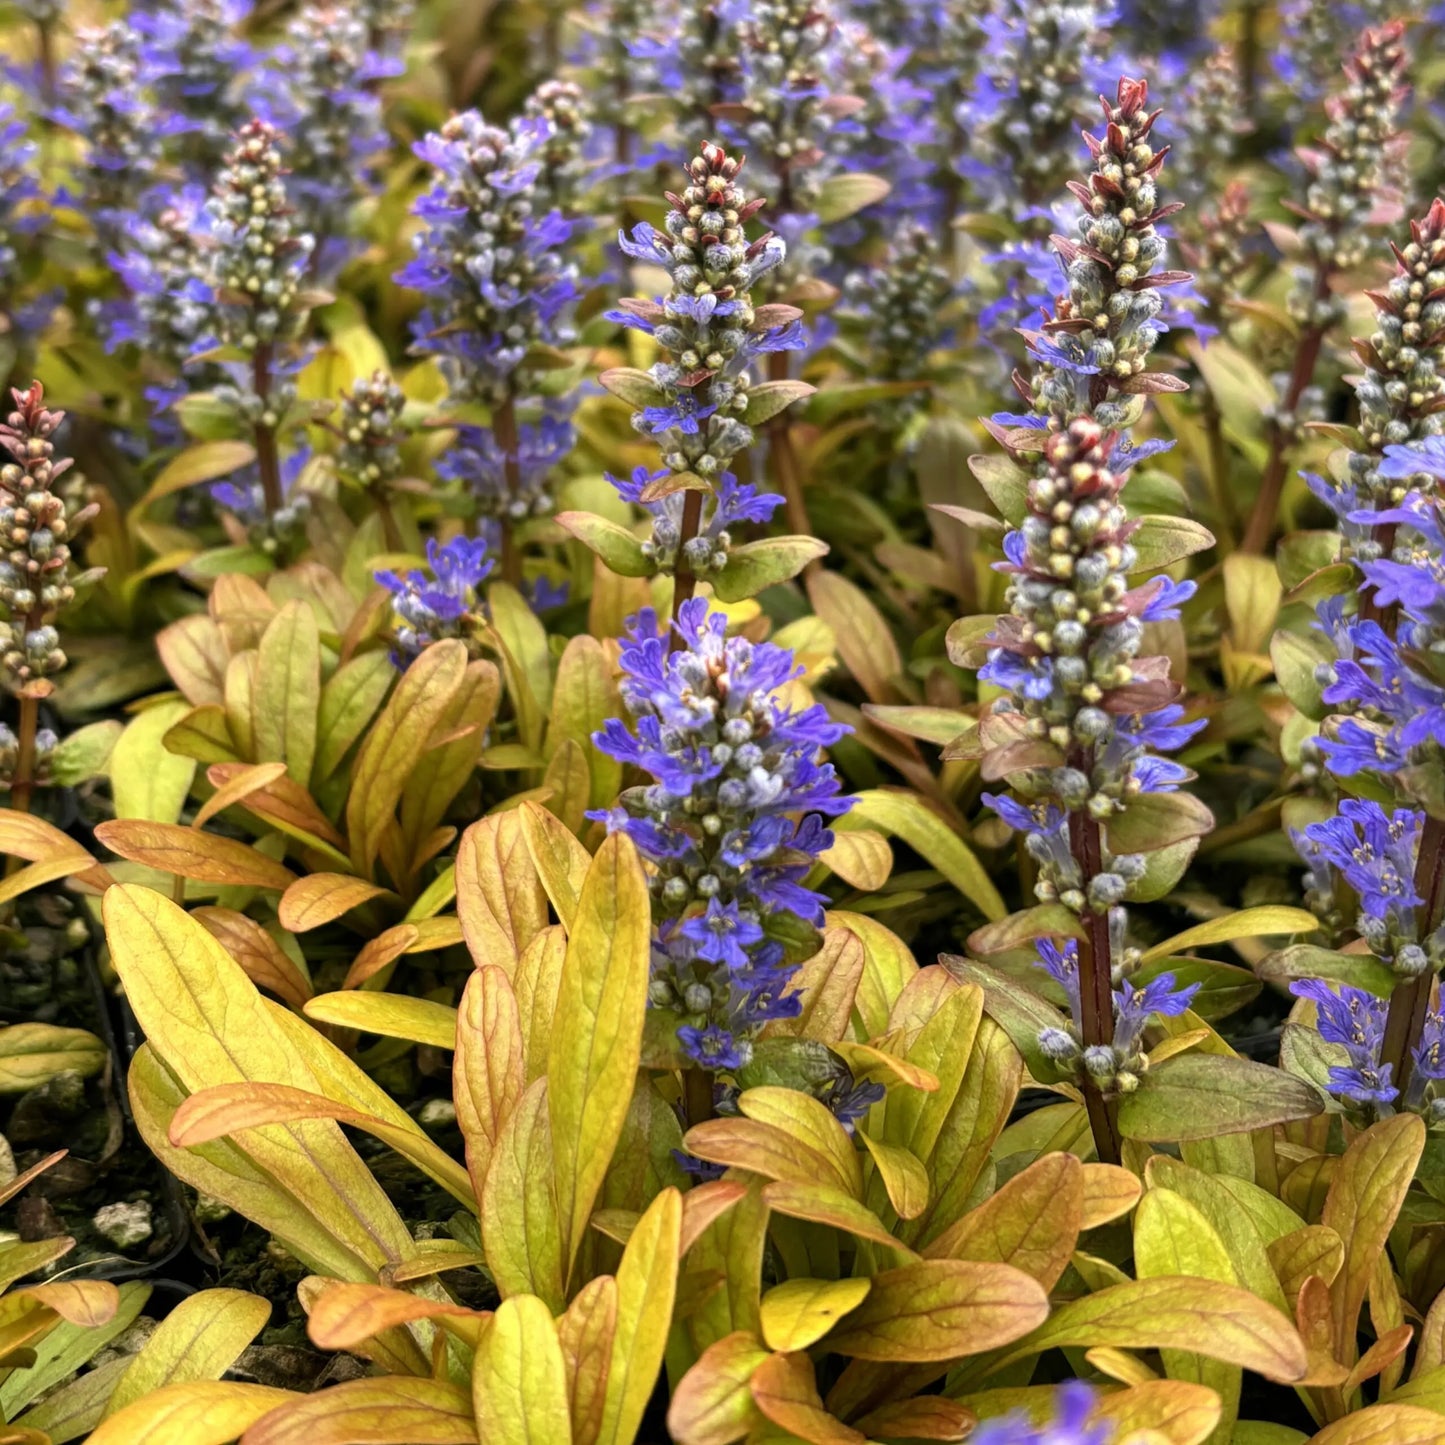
<point x="519" y="1379"/>
<point x="586" y="1333"/>
<point x="393" y="746"/>
<point x="903" y="1176"/>
<point x="813" y="1125"/>
<point x="204" y="462"/>
<point x="1270" y="921"/>
<point x="646" y="1287"/>
<point x="379" y="1411"/>
<point x="204" y="1018"/>
<point x="392" y="1015"/>
<point x="288" y="691"/>
<point x="198" y="1340"/>
<point x="31" y="1053"/>
<point x="349" y="701"/>
<point x="823" y="1204"/>
<point x="1221" y="1320"/>
<point x="198" y="1412"/>
<point x="147" y="781"/>
<point x="520" y="1229"/>
<point x="799" y="1312"/>
<point x="560" y="860"/>
<point x="597" y="1038"/>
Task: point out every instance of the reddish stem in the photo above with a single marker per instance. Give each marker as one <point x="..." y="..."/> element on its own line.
<point x="1410" y="1001"/>
<point x="268" y="461"/>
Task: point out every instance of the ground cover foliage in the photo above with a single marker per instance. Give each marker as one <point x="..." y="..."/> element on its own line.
<point x="722" y="722"/>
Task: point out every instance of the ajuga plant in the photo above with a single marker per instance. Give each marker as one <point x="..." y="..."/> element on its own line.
<point x="1082" y="735"/>
<point x="500" y="285"/>
<point x="1349" y="190"/>
<point x="37" y="585"/>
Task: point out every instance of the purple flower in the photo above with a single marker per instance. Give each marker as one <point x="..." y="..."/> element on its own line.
<point x="426" y="607"/>
<point x="1074" y="1403"/>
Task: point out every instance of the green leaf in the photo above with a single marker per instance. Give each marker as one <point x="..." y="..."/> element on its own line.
<point x="845" y="195"/>
<point x="766" y="399"/>
<point x="938" y="725"/>
<point x="1158" y="820"/>
<point x="84" y="754"/>
<point x="634" y="387"/>
<point x="519" y="1378"/>
<point x="349" y="701"/>
<point x="615" y="545"/>
<point x="1161" y="541"/>
<point x="1305" y="960"/>
<point x="1269" y="921"/>
<point x="1163" y="868"/>
<point x="1019" y="1012"/>
<point x="755" y="566"/>
<point x="1195" y="1096"/>
<point x="1295" y="659"/>
<point x="597" y="1038"/>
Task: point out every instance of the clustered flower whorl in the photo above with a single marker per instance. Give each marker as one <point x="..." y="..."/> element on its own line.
<point x="730" y="825"/>
<point x="1401" y="393"/>
<point x="707" y="324"/>
<point x="1350" y="171"/>
<point x="257" y="254"/>
<point x="1093" y="355"/>
<point x="442" y="601"/>
<point x="492" y="266"/>
<point x="371" y="430"/>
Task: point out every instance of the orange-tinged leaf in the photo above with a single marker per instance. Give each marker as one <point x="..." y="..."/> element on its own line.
<point x="37" y="875"/>
<point x="597" y="1036"/>
<point x="704" y="1203"/>
<point x="200" y="462"/>
<point x="940" y="1309"/>
<point x="586" y="1333"/>
<point x="826" y="985"/>
<point x="390" y="1410"/>
<point x="321" y="898"/>
<point x="519" y="1378"/>
<point x="712" y="1404"/>
<point x="928" y="1417"/>
<point x="239" y="785"/>
<point x="762" y="1149"/>
<point x="22" y="835"/>
<point x="822" y="1204"/>
<point x="27" y="1177"/>
<point x="393" y="746"/>
<point x="487" y="1071"/>
<point x="202" y="857"/>
<point x="799" y="1312"/>
<point x="1383" y="1353"/>
<point x="89" y="1303"/>
<point x="199" y="1412"/>
<point x="288" y="807"/>
<point x="1183" y="1413"/>
<point x="646" y="1288"/>
<point x="218" y="1112"/>
<point x="1385" y="1425"/>
<point x="1364" y="1199"/>
<point x="1032" y="1223"/>
<point x="813" y="1125"/>
<point x="266" y="963"/>
<point x="378" y="952"/>
<point x="344" y="1316"/>
<point x="560" y="860"/>
<point x="520" y="1229"/>
<point x="785" y="1390"/>
<point x="500" y="899"/>
<point x="1173" y="1312"/>
<point x="1109" y="1194"/>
